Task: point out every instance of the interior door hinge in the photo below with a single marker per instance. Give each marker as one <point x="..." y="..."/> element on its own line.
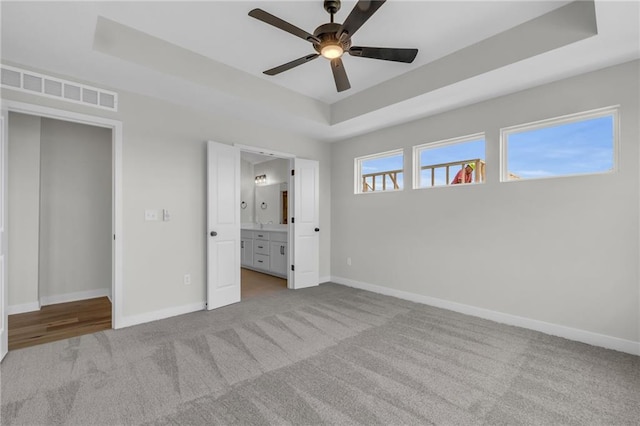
<point x="293" y="220"/>
<point x="114" y="236"/>
<point x="293" y="172"/>
<point x="293" y="268"/>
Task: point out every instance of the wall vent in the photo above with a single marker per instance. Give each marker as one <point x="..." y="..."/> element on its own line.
<point x="51" y="87"/>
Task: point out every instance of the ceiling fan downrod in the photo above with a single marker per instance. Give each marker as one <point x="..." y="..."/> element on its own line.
<point x="332" y="7"/>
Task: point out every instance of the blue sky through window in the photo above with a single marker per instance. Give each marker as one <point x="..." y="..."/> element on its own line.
<point x="566" y="149"/>
<point x="384" y="164"/>
<point x="460" y="151"/>
<point x="580" y="147"/>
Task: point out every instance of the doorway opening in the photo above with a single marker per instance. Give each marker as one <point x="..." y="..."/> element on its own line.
<point x="291" y="250"/>
<point x="60" y="246"/>
<point x="265" y="183"/>
<point x="69" y="214"/>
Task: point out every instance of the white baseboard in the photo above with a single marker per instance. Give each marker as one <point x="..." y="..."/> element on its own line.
<point x="72" y="297"/>
<point x="21" y="309"/>
<point x="591" y="338"/>
<point x="324" y="280"/>
<point x="131" y="320"/>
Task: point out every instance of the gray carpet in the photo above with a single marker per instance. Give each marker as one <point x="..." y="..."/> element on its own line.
<point x="325" y="355"/>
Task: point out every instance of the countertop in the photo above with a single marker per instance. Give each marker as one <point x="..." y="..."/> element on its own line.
<point x="267" y="227"/>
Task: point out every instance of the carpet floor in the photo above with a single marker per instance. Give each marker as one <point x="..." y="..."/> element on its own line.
<point x="324" y="355"/>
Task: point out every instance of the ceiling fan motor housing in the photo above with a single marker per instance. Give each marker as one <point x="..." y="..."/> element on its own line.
<point x="327" y="34"/>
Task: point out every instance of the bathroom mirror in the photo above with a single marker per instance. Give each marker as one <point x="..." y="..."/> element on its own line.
<point x="272" y="201"/>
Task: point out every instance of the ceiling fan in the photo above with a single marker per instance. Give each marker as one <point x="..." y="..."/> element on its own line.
<point x="331" y="40"/>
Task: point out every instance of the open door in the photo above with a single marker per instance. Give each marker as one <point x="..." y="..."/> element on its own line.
<point x="306" y="226"/>
<point x="4" y="317"/>
<point x="223" y="225"/>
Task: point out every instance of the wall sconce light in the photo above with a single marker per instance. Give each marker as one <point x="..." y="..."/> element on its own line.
<point x="260" y="180"/>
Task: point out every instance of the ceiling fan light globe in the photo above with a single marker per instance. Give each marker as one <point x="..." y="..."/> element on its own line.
<point x="331" y="51"/>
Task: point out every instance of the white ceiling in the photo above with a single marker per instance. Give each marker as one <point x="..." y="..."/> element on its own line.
<point x="59" y="37"/>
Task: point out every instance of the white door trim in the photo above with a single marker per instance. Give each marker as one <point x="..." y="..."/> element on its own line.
<point x="4" y="293"/>
<point x="255" y="149"/>
<point x="117" y="216"/>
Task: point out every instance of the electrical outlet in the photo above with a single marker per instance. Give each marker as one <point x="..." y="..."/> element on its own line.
<point x="348" y="261"/>
<point x="187" y="279"/>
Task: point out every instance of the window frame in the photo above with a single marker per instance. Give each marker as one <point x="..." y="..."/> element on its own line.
<point x="357" y="164"/>
<point x="417" y="150"/>
<point x="505" y="132"/>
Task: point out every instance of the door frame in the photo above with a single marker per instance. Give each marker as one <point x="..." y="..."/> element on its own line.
<point x="116" y="193"/>
<point x="290" y="195"/>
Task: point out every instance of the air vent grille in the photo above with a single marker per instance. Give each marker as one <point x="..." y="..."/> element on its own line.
<point x="51" y="87"/>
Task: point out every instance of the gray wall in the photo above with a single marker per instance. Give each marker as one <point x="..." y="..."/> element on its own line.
<point x="75" y="208"/>
<point x="563" y="251"/>
<point x="247" y="191"/>
<point x="60" y="209"/>
<point x="164" y="166"/>
<point x="24" y="208"/>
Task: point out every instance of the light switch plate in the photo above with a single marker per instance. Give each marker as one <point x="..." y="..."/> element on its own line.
<point x="151" y="214"/>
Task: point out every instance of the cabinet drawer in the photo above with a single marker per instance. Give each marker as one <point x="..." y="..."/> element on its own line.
<point x="261" y="247"/>
<point x="261" y="235"/>
<point x="246" y="234"/>
<point x="280" y="237"/>
<point x="261" y="261"/>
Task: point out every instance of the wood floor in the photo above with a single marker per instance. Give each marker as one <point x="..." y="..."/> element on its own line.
<point x="65" y="320"/>
<point x="60" y="321"/>
<point x="257" y="284"/>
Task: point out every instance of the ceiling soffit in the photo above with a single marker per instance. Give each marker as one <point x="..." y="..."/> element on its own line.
<point x="561" y="27"/>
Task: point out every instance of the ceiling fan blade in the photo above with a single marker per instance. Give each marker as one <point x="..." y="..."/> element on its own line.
<point x="360" y="13"/>
<point x="340" y="75"/>
<point x="384" y="53"/>
<point x="292" y="64"/>
<point x="268" y="18"/>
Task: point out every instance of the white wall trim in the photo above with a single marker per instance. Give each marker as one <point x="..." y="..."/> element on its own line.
<point x="117" y="137"/>
<point x="575" y="334"/>
<point x="324" y="279"/>
<point x="22" y="308"/>
<point x="73" y="297"/>
<point x="132" y="320"/>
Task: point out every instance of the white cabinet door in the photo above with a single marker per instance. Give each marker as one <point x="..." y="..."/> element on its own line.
<point x="223" y="222"/>
<point x="306" y="228"/>
<point x="278" y="258"/>
<point x="246" y="245"/>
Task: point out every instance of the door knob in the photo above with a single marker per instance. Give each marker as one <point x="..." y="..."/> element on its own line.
<point x="317" y="229"/>
<point x="213" y="233"/>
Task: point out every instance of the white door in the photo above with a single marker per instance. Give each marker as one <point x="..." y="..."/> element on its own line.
<point x="4" y="335"/>
<point x="223" y="225"/>
<point x="306" y="226"/>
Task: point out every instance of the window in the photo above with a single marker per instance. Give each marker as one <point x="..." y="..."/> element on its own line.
<point x="572" y="145"/>
<point x="380" y="172"/>
<point x="449" y="162"/>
